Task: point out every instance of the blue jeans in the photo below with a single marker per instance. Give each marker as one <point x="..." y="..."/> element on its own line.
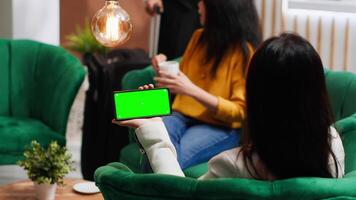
<point x="197" y="142"/>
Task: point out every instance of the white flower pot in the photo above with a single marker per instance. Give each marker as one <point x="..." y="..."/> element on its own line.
<point x="45" y="191"/>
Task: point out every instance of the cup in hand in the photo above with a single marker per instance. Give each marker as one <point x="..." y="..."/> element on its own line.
<point x="171" y="67"/>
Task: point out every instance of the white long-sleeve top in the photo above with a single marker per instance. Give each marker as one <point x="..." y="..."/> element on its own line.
<point x="162" y="156"/>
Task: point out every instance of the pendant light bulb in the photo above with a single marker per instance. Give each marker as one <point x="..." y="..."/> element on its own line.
<point x="111" y="25"/>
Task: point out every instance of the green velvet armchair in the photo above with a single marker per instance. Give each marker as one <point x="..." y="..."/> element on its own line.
<point x="117" y="181"/>
<point x="38" y="84"/>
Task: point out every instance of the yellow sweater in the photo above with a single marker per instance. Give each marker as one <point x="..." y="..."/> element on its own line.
<point x="228" y="86"/>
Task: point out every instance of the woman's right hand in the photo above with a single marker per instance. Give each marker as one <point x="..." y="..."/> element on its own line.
<point x="151" y="4"/>
<point x="156" y="60"/>
<point x="135" y="123"/>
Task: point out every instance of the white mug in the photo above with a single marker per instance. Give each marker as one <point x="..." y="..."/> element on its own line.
<point x="171" y="67"/>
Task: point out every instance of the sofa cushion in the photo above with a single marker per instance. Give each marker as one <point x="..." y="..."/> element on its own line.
<point x="15" y="133"/>
<point x="196" y="171"/>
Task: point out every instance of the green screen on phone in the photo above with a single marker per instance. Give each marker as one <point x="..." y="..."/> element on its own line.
<point x="142" y="103"/>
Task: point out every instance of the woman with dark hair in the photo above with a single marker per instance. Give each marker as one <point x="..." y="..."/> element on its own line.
<point x="288" y="130"/>
<point x="286" y="88"/>
<point x="209" y="106"/>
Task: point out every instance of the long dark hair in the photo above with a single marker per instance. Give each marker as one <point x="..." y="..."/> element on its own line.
<point x="229" y="24"/>
<point x="288" y="112"/>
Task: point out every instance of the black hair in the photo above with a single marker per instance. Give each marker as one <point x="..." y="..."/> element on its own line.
<point x="229" y="24"/>
<point x="288" y="111"/>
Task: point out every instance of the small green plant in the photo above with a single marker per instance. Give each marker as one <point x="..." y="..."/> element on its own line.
<point x="46" y="166"/>
<point x="83" y="41"/>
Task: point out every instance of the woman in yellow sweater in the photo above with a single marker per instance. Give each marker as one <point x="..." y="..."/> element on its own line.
<point x="209" y="107"/>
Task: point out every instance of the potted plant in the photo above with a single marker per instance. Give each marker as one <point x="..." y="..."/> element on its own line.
<point x="46" y="167"/>
<point x="84" y="42"/>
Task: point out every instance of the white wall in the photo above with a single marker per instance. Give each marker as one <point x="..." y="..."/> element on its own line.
<point x="33" y="19"/>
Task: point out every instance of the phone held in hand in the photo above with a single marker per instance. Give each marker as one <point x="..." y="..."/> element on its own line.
<point x="135" y="104"/>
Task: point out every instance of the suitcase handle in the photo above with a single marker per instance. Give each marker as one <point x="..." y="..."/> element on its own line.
<point x="154" y="32"/>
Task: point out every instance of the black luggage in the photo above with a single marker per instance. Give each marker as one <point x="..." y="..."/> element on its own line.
<point x="102" y="141"/>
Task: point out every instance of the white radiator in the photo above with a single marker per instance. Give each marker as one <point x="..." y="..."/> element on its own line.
<point x="333" y="34"/>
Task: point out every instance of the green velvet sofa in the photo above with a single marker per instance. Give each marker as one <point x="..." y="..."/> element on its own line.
<point x="38" y="84"/>
<point x="117" y="181"/>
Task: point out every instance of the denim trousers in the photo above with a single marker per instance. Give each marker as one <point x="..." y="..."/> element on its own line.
<point x="196" y="141"/>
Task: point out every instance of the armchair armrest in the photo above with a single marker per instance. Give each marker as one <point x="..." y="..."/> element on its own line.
<point x="347" y="130"/>
<point x="116" y="182"/>
<point x="347" y="124"/>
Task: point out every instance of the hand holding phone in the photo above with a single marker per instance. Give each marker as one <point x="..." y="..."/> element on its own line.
<point x="135" y="123"/>
<point x="142" y="103"/>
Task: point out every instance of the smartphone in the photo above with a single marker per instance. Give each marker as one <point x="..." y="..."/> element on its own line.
<point x="142" y="103"/>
